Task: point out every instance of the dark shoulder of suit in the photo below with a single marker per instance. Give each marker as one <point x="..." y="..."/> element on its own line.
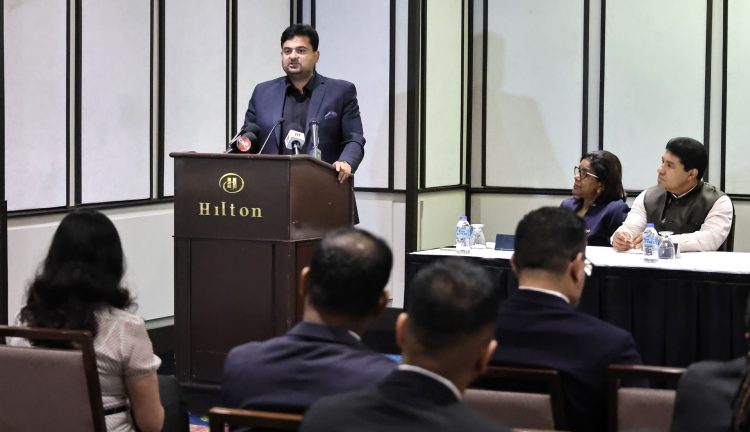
<point x="417" y="404"/>
<point x="704" y="396"/>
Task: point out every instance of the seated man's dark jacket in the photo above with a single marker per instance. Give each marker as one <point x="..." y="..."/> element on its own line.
<point x="405" y="401"/>
<point x="292" y="371"/>
<point x="705" y="394"/>
<point x="541" y="330"/>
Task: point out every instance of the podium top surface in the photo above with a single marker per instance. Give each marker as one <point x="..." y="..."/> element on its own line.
<point x="236" y="156"/>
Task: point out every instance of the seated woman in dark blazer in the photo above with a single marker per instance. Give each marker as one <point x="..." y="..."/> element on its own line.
<point x="598" y="195"/>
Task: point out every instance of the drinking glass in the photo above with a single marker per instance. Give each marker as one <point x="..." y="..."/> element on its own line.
<point x="478" y="241"/>
<point x="666" y="246"/>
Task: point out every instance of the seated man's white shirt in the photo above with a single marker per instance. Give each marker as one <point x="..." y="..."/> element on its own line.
<point x="712" y="234"/>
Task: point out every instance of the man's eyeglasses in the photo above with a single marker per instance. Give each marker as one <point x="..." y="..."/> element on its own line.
<point x="587" y="267"/>
<point x="583" y="173"/>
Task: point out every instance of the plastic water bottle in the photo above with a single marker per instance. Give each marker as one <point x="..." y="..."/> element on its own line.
<point x="463" y="236"/>
<point x="650" y="244"/>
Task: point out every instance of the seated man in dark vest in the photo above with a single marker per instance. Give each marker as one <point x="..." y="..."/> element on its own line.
<point x="697" y="213"/>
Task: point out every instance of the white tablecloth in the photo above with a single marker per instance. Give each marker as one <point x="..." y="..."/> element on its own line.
<point x="712" y="262"/>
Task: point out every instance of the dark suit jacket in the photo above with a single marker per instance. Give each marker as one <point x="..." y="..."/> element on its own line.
<point x="541" y="330"/>
<point x="405" y="401"/>
<point x="291" y="372"/>
<point x="333" y="104"/>
<point x="602" y="220"/>
<point x="704" y="396"/>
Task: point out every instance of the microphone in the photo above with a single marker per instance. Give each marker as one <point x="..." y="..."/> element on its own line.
<point x="294" y="138"/>
<point x="230" y="144"/>
<point x="278" y="122"/>
<point x="315" y="140"/>
<point x="243" y="141"/>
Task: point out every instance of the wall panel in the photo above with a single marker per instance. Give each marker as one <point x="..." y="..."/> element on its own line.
<point x="534" y="92"/>
<point x="195" y="84"/>
<point x="115" y="98"/>
<point x="36" y="121"/>
<point x="358" y="50"/>
<point x="654" y="81"/>
<point x="737" y="173"/>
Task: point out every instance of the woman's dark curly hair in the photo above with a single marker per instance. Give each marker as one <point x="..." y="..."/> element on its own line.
<point x="81" y="274"/>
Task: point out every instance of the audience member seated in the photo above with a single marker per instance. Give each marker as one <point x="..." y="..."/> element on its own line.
<point x="539" y="325"/>
<point x="446" y="340"/>
<point x="343" y="290"/>
<point x="697" y="213"/>
<point x="715" y="396"/>
<point x="598" y="195"/>
<point x="79" y="287"/>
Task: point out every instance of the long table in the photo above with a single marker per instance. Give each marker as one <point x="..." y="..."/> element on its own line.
<point x="679" y="311"/>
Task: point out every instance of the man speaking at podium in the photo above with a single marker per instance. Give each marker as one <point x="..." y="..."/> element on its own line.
<point x="290" y="111"/>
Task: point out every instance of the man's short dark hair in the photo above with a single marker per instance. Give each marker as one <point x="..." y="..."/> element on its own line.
<point x="348" y="272"/>
<point x="448" y="299"/>
<point x="691" y="152"/>
<point x="301" y="30"/>
<point x="548" y="239"/>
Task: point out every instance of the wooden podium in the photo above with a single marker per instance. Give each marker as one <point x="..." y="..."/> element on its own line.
<point x="244" y="227"/>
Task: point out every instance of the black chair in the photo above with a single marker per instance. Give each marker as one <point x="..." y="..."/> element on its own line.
<point x="48" y="389"/>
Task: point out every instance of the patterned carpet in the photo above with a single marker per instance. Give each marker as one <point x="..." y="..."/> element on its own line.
<point x="198" y="423"/>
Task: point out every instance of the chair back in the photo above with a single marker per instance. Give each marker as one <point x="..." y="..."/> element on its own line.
<point x="519" y="397"/>
<point x="728" y="245"/>
<point x="219" y="417"/>
<point x="49" y="388"/>
<point x="635" y="408"/>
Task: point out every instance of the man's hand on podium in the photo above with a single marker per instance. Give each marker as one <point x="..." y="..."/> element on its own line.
<point x="344" y="170"/>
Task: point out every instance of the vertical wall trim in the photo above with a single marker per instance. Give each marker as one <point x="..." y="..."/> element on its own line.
<point x="3" y="203"/>
<point x="422" y="94"/>
<point x="391" y="94"/>
<point x="312" y="13"/>
<point x="68" y="85"/>
<point x="469" y="86"/>
<point x="485" y="22"/>
<point x="160" y="131"/>
<point x="153" y="176"/>
<point x="412" y="130"/>
<point x="231" y="59"/>
<point x="707" y="97"/>
<point x="724" y="66"/>
<point x="461" y="128"/>
<point x="77" y="100"/>
<point x="601" y="74"/>
<point x="585" y="108"/>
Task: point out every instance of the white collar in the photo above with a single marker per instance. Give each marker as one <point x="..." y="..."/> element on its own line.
<point x="355" y="335"/>
<point x="546" y="291"/>
<point x="446" y="382"/>
<point x="691" y="189"/>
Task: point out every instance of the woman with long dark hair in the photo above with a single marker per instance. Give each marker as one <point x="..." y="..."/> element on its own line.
<point x="79" y="287"/>
<point x="598" y="195"/>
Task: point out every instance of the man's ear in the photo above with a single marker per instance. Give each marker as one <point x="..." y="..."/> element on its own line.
<point x="382" y="303"/>
<point x="303" y="286"/>
<point x="693" y="173"/>
<point x="485" y="355"/>
<point x="401" y="323"/>
<point x="575" y="268"/>
<point x="513" y="263"/>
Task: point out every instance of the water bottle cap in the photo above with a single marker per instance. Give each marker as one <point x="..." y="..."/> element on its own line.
<point x="464" y="218"/>
<point x="649" y="225"/>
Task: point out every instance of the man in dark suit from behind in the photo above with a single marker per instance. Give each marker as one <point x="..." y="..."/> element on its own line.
<point x="343" y="290"/>
<point x="446" y="341"/>
<point x="714" y="396"/>
<point x="539" y="325"/>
